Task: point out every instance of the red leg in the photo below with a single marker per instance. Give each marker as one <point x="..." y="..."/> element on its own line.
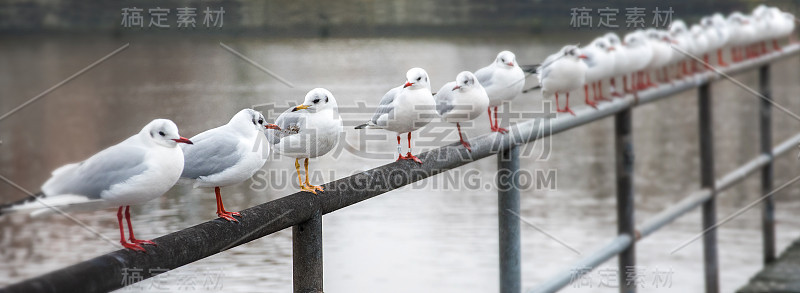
<point x="409" y="156"/>
<point x="586" y="94"/>
<point x="775" y="45"/>
<point x="600" y="91"/>
<point x="221" y="212"/>
<point x="133" y="246"/>
<point x="557" y="108"/>
<point x="460" y="137"/>
<point x="567" y="109"/>
<point x="491" y="124"/>
<point x="400" y="154"/>
<point x="130" y="229"/>
<point x="497" y="123"/>
<point x="720" y="60"/>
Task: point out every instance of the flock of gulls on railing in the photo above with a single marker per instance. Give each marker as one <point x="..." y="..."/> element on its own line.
<point x="148" y="164"/>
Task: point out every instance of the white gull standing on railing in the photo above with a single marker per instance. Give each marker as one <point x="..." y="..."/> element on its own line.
<point x="309" y="130"/>
<point x="136" y="170"/>
<point x="461" y="100"/>
<point x="404" y="109"/>
<point x="227" y="155"/>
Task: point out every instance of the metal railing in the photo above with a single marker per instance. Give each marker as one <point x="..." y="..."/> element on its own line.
<point x="304" y="213"/>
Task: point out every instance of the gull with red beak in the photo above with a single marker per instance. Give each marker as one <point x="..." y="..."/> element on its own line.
<point x="134" y="171"/>
<point x="562" y="72"/>
<point x="405" y="108"/>
<point x="227" y="155"/>
<point x="309" y="130"/>
<point x="461" y="101"/>
<point x="503" y="81"/>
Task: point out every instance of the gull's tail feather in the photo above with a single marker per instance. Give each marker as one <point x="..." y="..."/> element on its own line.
<point x="43" y="205"/>
<point x="533" y="88"/>
<point x="9" y="207"/>
<point x="530" y="68"/>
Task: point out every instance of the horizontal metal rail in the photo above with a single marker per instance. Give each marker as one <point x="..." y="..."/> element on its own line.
<point x="687" y="204"/>
<point x="105" y="273"/>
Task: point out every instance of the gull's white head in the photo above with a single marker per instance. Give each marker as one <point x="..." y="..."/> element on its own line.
<point x="572" y="52"/>
<point x="635" y="39"/>
<point x="465" y="81"/>
<point x="251" y="118"/>
<point x="417" y="78"/>
<point x="678" y="27"/>
<point x="163" y="132"/>
<point x="613" y="39"/>
<point x="603" y="44"/>
<point x="738" y="18"/>
<point x="318" y="99"/>
<point x="506" y="59"/>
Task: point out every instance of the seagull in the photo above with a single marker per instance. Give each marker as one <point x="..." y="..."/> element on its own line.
<point x="742" y="38"/>
<point x="562" y="72"/>
<point x="405" y="108"/>
<point x="227" y="155"/>
<point x="600" y="65"/>
<point x="660" y="43"/>
<point x="136" y="170"/>
<point x="701" y="45"/>
<point x="717" y="23"/>
<point x="308" y="131"/>
<point x="460" y="101"/>
<point x="621" y="61"/>
<point x="679" y="34"/>
<point x="503" y="80"/>
<point x="640" y="53"/>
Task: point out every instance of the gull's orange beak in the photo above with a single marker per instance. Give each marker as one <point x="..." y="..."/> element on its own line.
<point x="611" y="49"/>
<point x="272" y="126"/>
<point x="582" y="56"/>
<point x="510" y="64"/>
<point x="301" y="107"/>
<point x="183" y="140"/>
<point x="456" y="87"/>
<point x="408" y="84"/>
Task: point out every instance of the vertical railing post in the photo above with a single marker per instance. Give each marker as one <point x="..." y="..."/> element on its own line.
<point x="765" y="118"/>
<point x="625" y="207"/>
<point x="307" y="255"/>
<point x="709" y="210"/>
<point x="509" y="222"/>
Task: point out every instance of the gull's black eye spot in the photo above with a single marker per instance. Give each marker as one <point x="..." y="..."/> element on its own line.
<point x="316" y="101"/>
<point x="260" y="121"/>
<point x="326" y="99"/>
<point x="419" y="78"/>
<point x="161" y="133"/>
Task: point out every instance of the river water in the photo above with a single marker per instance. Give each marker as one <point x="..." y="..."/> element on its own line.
<point x="431" y="237"/>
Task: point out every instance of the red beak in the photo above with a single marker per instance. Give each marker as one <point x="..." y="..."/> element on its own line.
<point x="456" y="87"/>
<point x="408" y="84"/>
<point x="272" y="126"/>
<point x="582" y="56"/>
<point x="510" y="64"/>
<point x="611" y="49"/>
<point x="183" y="140"/>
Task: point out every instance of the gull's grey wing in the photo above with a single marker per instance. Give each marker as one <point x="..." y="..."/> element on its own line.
<point x="444" y="98"/>
<point x="98" y="173"/>
<point x="549" y="60"/>
<point x="290" y="124"/>
<point x="385" y="106"/>
<point x="213" y="151"/>
<point x="484" y="76"/>
<point x="544" y="72"/>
